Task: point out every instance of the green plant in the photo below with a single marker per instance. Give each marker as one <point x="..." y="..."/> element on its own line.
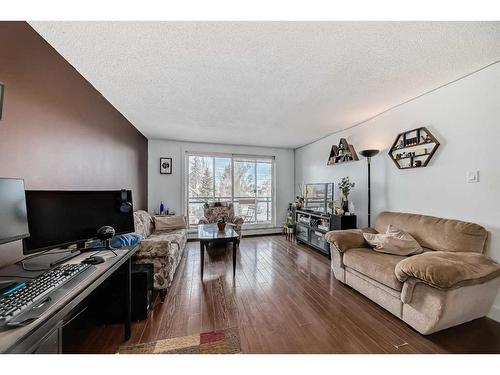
<point x="345" y="186"/>
<point x="289" y="222"/>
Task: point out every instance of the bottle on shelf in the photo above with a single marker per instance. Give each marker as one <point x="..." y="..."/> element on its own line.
<point x="162" y="208"/>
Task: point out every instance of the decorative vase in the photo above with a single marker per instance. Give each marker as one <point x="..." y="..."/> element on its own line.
<point x="345" y="203"/>
<point x="221" y="226"/>
<point x="351" y="208"/>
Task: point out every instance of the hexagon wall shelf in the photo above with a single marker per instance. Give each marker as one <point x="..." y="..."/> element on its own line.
<point x="413" y="148"/>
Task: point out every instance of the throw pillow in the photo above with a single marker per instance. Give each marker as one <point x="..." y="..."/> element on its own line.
<point x="393" y="241"/>
<point x="163" y="223"/>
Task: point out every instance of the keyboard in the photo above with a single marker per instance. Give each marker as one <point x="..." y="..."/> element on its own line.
<point x="22" y="299"/>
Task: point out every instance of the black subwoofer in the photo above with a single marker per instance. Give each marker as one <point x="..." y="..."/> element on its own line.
<point x="142" y="290"/>
<point x="106" y="303"/>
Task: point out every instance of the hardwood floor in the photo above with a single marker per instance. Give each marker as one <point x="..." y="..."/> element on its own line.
<point x="284" y="299"/>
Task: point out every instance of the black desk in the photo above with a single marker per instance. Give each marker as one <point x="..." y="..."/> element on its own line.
<point x="45" y="334"/>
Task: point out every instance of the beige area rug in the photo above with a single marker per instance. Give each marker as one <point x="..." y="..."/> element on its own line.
<point x="225" y="341"/>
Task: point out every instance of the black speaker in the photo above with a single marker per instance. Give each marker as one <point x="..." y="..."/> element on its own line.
<point x="106" y="303"/>
<point x="142" y="290"/>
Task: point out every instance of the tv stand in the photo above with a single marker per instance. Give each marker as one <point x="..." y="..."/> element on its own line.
<point x="311" y="227"/>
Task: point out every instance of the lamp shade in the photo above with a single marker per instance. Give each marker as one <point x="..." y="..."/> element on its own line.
<point x="368" y="153"/>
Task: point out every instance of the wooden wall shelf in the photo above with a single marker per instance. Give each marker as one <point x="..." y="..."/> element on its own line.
<point x="413" y="148"/>
<point x="342" y="153"/>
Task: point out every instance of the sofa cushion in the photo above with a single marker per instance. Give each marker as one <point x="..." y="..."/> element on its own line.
<point x="160" y="244"/>
<point x="377" y="266"/>
<point x="443" y="269"/>
<point x="394" y="241"/>
<point x="177" y="236"/>
<point x="436" y="233"/>
<point x="163" y="223"/>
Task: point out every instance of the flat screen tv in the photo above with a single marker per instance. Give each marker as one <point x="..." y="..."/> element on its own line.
<point x="61" y="218"/>
<point x="13" y="218"/>
<point x="317" y="197"/>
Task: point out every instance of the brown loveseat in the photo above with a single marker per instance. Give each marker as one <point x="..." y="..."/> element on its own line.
<point x="162" y="249"/>
<point x="450" y="283"/>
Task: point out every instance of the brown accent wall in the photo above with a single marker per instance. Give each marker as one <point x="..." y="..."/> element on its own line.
<point x="57" y="131"/>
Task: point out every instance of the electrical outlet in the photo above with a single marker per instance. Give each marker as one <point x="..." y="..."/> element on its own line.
<point x="473" y="176"/>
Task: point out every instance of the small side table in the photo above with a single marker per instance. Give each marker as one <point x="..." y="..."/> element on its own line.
<point x="289" y="233"/>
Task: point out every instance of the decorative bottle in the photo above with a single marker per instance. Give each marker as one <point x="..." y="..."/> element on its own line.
<point x="162" y="208"/>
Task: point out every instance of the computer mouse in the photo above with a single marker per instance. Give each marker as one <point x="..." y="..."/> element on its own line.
<point x="94" y="259"/>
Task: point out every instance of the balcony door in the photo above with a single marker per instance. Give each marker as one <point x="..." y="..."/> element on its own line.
<point x="246" y="181"/>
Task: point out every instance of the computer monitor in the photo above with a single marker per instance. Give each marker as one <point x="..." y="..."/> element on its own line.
<point x="61" y="218"/>
<point x="13" y="219"/>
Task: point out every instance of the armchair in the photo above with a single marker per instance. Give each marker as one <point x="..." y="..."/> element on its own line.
<point x="217" y="210"/>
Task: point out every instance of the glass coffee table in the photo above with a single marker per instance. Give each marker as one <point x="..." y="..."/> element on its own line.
<point x="210" y="234"/>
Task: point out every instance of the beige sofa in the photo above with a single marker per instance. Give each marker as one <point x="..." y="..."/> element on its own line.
<point x="452" y="282"/>
<point x="162" y="249"/>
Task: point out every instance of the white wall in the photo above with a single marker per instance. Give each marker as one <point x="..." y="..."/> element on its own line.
<point x="169" y="188"/>
<point x="465" y="117"/>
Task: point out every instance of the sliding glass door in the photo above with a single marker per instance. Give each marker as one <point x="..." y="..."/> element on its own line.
<point x="246" y="181"/>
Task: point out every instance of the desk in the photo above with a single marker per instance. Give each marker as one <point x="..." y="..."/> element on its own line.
<point x="48" y="328"/>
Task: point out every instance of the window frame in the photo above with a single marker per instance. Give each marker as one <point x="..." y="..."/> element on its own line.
<point x="255" y="158"/>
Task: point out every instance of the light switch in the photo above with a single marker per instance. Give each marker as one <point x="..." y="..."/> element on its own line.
<point x="473" y="176"/>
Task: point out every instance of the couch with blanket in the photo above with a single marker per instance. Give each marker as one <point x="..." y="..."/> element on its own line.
<point x="450" y="281"/>
<point x="163" y="245"/>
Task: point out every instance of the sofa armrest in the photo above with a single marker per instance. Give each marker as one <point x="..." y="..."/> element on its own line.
<point x="153" y="248"/>
<point x="446" y="269"/>
<point x="203" y="220"/>
<point x="344" y="240"/>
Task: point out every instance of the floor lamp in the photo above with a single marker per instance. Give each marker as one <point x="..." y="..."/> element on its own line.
<point x="368" y="155"/>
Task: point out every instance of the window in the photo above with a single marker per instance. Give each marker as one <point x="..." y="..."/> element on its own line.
<point x="246" y="181"/>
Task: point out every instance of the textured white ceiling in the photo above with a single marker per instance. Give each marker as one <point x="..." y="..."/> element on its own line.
<point x="279" y="84"/>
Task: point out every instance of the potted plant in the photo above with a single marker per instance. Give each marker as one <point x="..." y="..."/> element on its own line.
<point x="289" y="227"/>
<point x="221" y="224"/>
<point x="345" y="187"/>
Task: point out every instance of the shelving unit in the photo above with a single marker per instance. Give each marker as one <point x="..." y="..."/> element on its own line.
<point x="342" y="153"/>
<point x="311" y="227"/>
<point x="413" y="148"/>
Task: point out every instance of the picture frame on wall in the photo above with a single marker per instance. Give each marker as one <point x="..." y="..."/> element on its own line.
<point x="166" y="165"/>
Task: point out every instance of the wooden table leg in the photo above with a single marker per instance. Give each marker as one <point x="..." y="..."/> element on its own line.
<point x="202" y="258"/>
<point x="235" y="246"/>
